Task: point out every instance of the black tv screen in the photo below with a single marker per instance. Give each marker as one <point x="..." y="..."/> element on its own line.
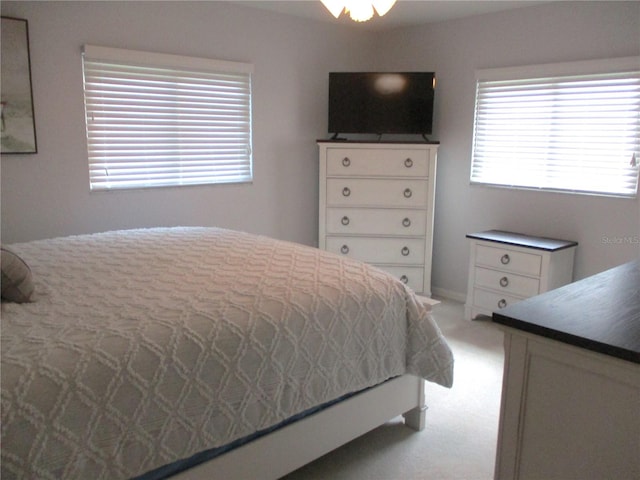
<point x="381" y="102"/>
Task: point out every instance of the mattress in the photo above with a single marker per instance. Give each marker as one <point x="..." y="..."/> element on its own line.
<point x="143" y="347"/>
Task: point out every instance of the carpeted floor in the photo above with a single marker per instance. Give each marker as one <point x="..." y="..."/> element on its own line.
<point x="459" y="441"/>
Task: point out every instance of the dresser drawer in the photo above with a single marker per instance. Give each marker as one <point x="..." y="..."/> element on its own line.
<point x="492" y="301"/>
<point x="377" y="162"/>
<point x="411" y="276"/>
<point x="507" y="282"/>
<point x="372" y="192"/>
<point x="375" y="250"/>
<point x="376" y="221"/>
<point x="508" y="260"/>
<point x="376" y="204"/>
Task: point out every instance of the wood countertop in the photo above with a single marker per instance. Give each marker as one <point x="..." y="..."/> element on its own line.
<point x="599" y="313"/>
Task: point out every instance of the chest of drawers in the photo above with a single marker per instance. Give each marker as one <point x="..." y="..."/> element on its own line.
<point x="376" y="205"/>
<point x="507" y="267"/>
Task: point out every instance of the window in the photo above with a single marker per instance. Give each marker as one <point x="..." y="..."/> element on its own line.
<point x="165" y="120"/>
<point x="572" y="127"/>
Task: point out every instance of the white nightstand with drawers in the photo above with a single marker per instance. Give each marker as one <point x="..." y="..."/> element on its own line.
<point x="376" y="205"/>
<point x="506" y="267"/>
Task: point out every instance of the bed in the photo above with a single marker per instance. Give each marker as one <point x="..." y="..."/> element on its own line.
<point x="201" y="353"/>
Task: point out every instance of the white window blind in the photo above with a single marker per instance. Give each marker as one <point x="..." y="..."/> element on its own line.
<point x="572" y="127"/>
<point x="165" y="120"/>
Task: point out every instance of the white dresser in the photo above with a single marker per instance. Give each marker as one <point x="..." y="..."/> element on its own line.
<point x="506" y="267"/>
<point x="376" y="205"/>
<point x="571" y="387"/>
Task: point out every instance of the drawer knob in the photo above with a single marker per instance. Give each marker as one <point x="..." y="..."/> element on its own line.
<point x="405" y="251"/>
<point x="346" y="191"/>
<point x="346" y="162"/>
<point x="345" y="220"/>
<point x="404" y="279"/>
<point x="408" y="163"/>
<point x="407" y="193"/>
<point x="502" y="303"/>
<point x="505" y="259"/>
<point x="504" y="282"/>
<point x="344" y="249"/>
<point x="406" y="222"/>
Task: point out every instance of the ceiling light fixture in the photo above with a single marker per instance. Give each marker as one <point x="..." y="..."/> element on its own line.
<point x="359" y="10"/>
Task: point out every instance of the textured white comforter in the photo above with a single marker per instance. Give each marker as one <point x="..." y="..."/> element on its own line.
<point x="142" y="347"/>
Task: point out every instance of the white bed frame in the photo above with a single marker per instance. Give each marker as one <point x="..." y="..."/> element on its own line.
<point x="289" y="448"/>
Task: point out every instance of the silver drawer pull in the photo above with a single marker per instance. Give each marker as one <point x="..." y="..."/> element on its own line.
<point x="344" y="249"/>
<point x="505" y="259"/>
<point x="504" y="282"/>
<point x="346" y="162"/>
<point x="346" y="192"/>
<point x="345" y="220"/>
<point x="404" y="279"/>
<point x="406" y="222"/>
<point x="502" y="303"/>
<point x="407" y="193"/>
<point x="405" y="251"/>
<point x="408" y="163"/>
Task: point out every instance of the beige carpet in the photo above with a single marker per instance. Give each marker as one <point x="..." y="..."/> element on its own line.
<point x="459" y="441"/>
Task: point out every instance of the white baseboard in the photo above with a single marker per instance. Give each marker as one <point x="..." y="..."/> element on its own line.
<point x="427" y="300"/>
<point x="449" y="294"/>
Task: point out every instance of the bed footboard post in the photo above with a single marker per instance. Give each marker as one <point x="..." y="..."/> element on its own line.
<point x="415" y="418"/>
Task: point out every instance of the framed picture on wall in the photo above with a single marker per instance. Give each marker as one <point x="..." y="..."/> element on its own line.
<point x="17" y="122"/>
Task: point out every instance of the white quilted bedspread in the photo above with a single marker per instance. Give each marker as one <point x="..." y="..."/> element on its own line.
<point x="142" y="347"/>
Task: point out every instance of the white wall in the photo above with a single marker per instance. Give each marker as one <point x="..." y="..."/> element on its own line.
<point x="47" y="194"/>
<point x="557" y="32"/>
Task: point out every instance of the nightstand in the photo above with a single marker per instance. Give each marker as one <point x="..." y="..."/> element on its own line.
<point x="506" y="267"/>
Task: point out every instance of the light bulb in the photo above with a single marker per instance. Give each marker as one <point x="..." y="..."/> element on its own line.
<point x="360" y="11"/>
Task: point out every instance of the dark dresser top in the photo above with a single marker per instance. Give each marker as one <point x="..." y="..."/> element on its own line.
<point x="518" y="239"/>
<point x="381" y="142"/>
<point x="599" y="313"/>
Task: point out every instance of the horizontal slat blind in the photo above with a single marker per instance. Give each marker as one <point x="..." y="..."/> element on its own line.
<point x="162" y="120"/>
<point x="577" y="133"/>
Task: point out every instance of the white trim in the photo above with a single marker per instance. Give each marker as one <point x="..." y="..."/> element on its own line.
<point x="163" y="60"/>
<point x="449" y="294"/>
<point x="545" y="70"/>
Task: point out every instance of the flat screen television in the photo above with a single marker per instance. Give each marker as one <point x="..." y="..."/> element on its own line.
<point x="381" y="102"/>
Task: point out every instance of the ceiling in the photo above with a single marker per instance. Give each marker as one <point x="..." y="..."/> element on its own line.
<point x="404" y="13"/>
